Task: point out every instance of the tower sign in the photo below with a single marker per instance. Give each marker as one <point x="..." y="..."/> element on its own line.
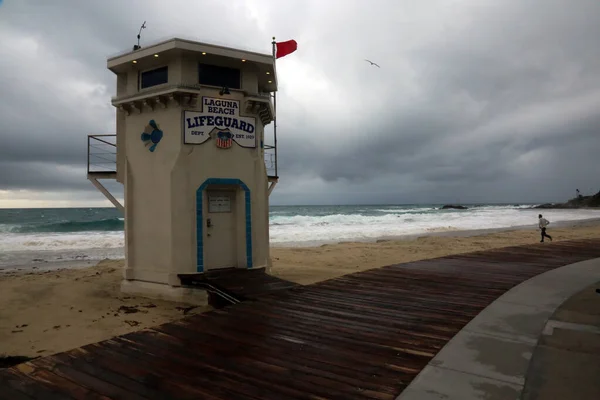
<point x="219" y="116"/>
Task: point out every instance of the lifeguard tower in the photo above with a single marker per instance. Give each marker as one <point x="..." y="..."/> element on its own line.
<point x="191" y="152"/>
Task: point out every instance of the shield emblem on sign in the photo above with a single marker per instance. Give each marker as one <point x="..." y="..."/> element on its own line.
<point x="224" y="139"/>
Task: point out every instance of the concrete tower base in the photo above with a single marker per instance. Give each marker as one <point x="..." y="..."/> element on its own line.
<point x="195" y="296"/>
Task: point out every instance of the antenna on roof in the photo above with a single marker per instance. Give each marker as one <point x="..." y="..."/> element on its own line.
<point x="137" y="46"/>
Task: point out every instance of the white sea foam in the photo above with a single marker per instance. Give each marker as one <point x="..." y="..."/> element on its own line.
<point x="298" y="226"/>
<point x="61" y="241"/>
<point x="340" y="227"/>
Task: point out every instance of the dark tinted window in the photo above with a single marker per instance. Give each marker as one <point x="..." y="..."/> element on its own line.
<point x="154" y="77"/>
<point x="214" y="75"/>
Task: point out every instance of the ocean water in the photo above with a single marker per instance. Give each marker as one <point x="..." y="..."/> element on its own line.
<point x="46" y="235"/>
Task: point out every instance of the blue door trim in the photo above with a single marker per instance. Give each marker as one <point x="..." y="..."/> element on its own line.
<point x="200" y="220"/>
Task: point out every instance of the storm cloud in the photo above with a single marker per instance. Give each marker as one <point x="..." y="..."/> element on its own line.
<point x="474" y="102"/>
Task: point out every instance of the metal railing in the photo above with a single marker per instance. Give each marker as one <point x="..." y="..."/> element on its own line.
<point x="102" y="153"/>
<point x="271" y="160"/>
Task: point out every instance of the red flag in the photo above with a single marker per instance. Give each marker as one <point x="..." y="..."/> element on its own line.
<point x="285" y="48"/>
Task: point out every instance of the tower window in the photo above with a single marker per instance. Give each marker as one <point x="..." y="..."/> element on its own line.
<point x="214" y="75"/>
<point x="154" y="77"/>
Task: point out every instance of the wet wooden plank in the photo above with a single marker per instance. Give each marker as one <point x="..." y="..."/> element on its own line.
<point x="272" y="355"/>
<point x="359" y="336"/>
<point x="233" y="359"/>
<point x="168" y="380"/>
<point x="16" y="380"/>
<point x="200" y="369"/>
<point x="9" y="387"/>
<point x="223" y="370"/>
<point x="90" y="380"/>
<point x="59" y="384"/>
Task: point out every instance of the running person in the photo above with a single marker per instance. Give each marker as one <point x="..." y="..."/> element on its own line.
<point x="543" y="223"/>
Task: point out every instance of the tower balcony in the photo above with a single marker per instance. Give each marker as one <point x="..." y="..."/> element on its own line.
<point x="102" y="163"/>
<point x="102" y="159"/>
<point x="102" y="156"/>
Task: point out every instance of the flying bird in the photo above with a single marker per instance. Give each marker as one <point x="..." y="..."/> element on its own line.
<point x="372" y="63"/>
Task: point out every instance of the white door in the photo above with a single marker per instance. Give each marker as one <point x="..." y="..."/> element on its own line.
<point x="220" y="234"/>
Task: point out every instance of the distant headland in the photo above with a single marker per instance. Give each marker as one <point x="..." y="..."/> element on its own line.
<point x="577" y="202"/>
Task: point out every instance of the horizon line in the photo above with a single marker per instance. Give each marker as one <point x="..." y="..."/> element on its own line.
<point x="316" y="205"/>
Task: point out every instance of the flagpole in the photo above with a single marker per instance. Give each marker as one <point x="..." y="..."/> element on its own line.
<point x="275" y="105"/>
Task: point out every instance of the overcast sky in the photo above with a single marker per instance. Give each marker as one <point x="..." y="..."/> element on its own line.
<point x="475" y="100"/>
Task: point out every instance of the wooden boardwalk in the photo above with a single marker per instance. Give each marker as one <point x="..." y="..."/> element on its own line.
<point x="360" y="336"/>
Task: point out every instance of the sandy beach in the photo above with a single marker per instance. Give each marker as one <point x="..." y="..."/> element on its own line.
<point x="49" y="311"/>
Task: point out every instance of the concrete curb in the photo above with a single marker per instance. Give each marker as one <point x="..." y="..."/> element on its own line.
<point x="489" y="358"/>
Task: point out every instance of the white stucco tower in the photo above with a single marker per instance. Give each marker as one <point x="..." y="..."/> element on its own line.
<point x="190" y="152"/>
